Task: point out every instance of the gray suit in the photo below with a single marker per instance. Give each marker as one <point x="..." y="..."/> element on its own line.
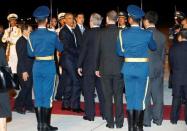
<point x="155" y="89"/>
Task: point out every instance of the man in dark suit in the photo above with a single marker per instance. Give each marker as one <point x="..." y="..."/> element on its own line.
<point x="108" y="68"/>
<point x="1" y="35"/>
<point x="24" y="102"/>
<point x="80" y="29"/>
<point x="71" y="99"/>
<point x="178" y="64"/>
<point x="156" y="73"/>
<point x="86" y="69"/>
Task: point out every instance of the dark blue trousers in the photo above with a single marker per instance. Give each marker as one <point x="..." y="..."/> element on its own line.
<point x="24" y="99"/>
<point x="72" y="88"/>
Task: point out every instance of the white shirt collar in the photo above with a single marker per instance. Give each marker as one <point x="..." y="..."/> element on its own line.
<point x="123" y="26"/>
<point x="135" y="26"/>
<point x="95" y="26"/>
<point x="52" y="29"/>
<point x="70" y="28"/>
<point x="80" y="25"/>
<point x="151" y="26"/>
<point x="25" y="36"/>
<point x="41" y="27"/>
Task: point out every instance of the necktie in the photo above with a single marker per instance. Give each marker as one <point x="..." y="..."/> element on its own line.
<point x="74" y="37"/>
<point x="82" y="29"/>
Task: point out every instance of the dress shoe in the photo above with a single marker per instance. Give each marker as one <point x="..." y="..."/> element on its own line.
<point x="173" y="122"/>
<point x="119" y="126"/>
<point x="30" y="110"/>
<point x="58" y="98"/>
<point x="103" y="118"/>
<point x="110" y="126"/>
<point x="66" y="108"/>
<point x="19" y="110"/>
<point x="146" y="125"/>
<point x="79" y="110"/>
<point x="87" y="118"/>
<point x="158" y="124"/>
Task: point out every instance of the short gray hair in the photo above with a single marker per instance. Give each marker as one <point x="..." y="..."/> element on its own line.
<point x="96" y="19"/>
<point x="112" y="15"/>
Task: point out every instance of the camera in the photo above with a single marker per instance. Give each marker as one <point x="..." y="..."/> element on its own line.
<point x="174" y="31"/>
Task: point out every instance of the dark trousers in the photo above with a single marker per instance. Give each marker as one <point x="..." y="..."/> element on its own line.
<point x="24" y="99"/>
<point x="90" y="83"/>
<point x="60" y="88"/>
<point x="72" y="88"/>
<point x="154" y="92"/>
<point x="112" y="87"/>
<point x="176" y="104"/>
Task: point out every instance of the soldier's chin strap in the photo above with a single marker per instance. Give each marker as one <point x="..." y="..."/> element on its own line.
<point x="121" y="41"/>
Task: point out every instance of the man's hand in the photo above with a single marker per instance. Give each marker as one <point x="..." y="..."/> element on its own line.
<point x="25" y="76"/>
<point x="79" y="70"/>
<point x="97" y="73"/>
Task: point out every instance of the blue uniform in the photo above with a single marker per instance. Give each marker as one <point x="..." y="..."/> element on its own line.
<point x="42" y="44"/>
<point x="135" y="43"/>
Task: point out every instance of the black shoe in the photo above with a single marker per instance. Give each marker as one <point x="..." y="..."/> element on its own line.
<point x="30" y="110"/>
<point x="146" y="125"/>
<point x="79" y="110"/>
<point x="158" y="124"/>
<point x="20" y="110"/>
<point x="173" y="122"/>
<point x="119" y="126"/>
<point x="87" y="118"/>
<point x="66" y="108"/>
<point x="103" y="118"/>
<point x="110" y="126"/>
<point x="58" y="98"/>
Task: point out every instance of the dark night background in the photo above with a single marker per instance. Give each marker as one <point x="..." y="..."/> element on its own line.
<point x="24" y="8"/>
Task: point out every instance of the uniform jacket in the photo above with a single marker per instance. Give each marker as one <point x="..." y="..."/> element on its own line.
<point x="135" y="42"/>
<point x="43" y="43"/>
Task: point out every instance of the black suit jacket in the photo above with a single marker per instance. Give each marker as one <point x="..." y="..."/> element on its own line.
<point x="156" y="68"/>
<point x="3" y="61"/>
<point x="107" y="61"/>
<point x="25" y="63"/>
<point x="70" y="47"/>
<point x="79" y="35"/>
<point x="88" y="52"/>
<point x="178" y="64"/>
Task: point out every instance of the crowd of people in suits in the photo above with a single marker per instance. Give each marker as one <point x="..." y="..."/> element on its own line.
<point x="121" y="57"/>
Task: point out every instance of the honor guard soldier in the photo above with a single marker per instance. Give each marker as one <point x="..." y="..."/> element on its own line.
<point x="41" y="45"/>
<point x="133" y="45"/>
<point x="11" y="35"/>
<point x="122" y="20"/>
